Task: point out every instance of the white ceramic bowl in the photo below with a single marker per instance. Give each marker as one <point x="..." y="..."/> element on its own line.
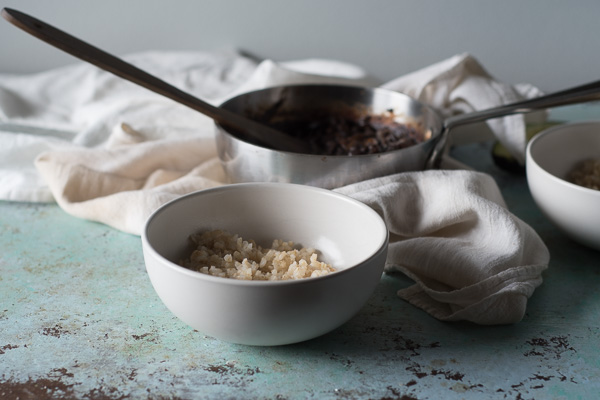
<point x="550" y="157"/>
<point x="350" y="235"/>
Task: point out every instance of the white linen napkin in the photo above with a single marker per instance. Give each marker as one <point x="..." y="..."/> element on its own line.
<point x="450" y="231"/>
<point x="114" y="152"/>
<point x="80" y="107"/>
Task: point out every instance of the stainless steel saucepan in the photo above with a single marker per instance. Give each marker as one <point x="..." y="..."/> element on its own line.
<point x="245" y="161"/>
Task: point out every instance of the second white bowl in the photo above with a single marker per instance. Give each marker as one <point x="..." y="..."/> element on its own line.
<point x="551" y="155"/>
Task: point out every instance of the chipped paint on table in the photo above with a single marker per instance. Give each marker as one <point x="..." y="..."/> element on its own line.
<point x="79" y="319"/>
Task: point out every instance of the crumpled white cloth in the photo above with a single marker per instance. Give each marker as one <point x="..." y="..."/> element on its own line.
<point x="450" y="231"/>
<point x="80" y="107"/>
<point x="109" y="151"/>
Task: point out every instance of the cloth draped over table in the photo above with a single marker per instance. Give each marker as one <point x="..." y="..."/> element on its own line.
<point x="109" y="151"/>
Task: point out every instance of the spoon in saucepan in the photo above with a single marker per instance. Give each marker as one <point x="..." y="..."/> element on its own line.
<point x="84" y="51"/>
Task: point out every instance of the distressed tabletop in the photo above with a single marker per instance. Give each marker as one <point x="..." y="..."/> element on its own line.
<point x="80" y="319"/>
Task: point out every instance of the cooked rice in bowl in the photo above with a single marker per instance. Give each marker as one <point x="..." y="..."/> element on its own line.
<point x="219" y="253"/>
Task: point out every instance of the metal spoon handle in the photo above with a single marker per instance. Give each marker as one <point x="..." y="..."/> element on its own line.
<point x="110" y="63"/>
<point x="579" y="94"/>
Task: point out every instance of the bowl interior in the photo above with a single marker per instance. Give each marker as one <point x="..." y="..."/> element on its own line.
<point x="559" y="149"/>
<point x="346" y="231"/>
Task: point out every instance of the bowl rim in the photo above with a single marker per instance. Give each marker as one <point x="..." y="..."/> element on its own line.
<point x="239" y="282"/>
<point x="435" y="135"/>
<point x="550" y="131"/>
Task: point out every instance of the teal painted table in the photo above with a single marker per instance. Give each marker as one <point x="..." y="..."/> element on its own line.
<point x="79" y="319"/>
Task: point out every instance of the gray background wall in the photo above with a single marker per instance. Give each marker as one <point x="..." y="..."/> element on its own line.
<point x="552" y="44"/>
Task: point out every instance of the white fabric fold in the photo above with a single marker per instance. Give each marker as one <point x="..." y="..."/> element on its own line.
<point x="80" y="107"/>
<point x="460" y="85"/>
<point x="452" y="234"/>
<point x="109" y="151"/>
<point x="121" y="186"/>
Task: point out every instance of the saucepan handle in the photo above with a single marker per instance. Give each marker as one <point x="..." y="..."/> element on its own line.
<point x="578" y="94"/>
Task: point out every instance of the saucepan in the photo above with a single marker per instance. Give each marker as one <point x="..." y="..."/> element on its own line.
<point x="253" y="147"/>
<point x="245" y="160"/>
